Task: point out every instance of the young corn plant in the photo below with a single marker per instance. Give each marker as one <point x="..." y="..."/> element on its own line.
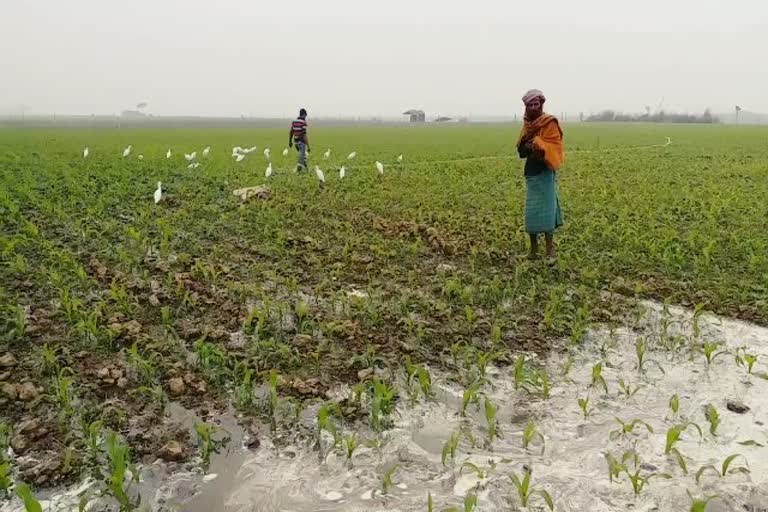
<point x="627" y="389"/>
<point x="383" y="398"/>
<point x="491" y="421"/>
<point x="674" y="405"/>
<point x="531" y="433"/>
<point x="700" y="505"/>
<point x="471" y="395"/>
<point x="63" y="395"/>
<point x="673" y="436"/>
<point x="207" y="442"/>
<point x="628" y="428"/>
<point x="245" y="396"/>
<point x="117" y="483"/>
<point x="639" y="482"/>
<point x="273" y="400"/>
<point x="746" y="360"/>
<point x="713" y="417"/>
<point x="425" y="383"/>
<point x="481" y="473"/>
<point x="711" y="352"/>
<point x="386" y="479"/>
<point x="28" y="499"/>
<point x="470" y="505"/>
<point x="450" y="447"/>
<point x="618" y="466"/>
<point x="641" y="351"/>
<point x="597" y="377"/>
<point x="725" y="469"/>
<point x="584" y="406"/>
<point x="350" y="445"/>
<point x="325" y="423"/>
<point x="525" y="492"/>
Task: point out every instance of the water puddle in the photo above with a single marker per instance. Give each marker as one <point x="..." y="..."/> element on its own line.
<point x="569" y="463"/>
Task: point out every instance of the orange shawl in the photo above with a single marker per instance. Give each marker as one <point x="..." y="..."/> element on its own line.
<point x="546" y="135"/>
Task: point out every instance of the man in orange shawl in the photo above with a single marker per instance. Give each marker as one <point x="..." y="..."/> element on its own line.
<point x="541" y="144"/>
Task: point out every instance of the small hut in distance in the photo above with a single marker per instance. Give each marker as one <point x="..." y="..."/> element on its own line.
<point x="415" y="116"/>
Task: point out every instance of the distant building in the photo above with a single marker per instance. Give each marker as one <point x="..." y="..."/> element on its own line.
<point x="415" y="116"/>
<point x="443" y="119"/>
<point x="132" y="114"/>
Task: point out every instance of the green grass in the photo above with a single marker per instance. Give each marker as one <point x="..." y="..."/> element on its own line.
<point x="83" y="242"/>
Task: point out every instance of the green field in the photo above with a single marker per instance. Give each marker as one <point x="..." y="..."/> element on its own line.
<point x="95" y="276"/>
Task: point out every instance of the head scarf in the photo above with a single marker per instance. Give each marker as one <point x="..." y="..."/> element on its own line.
<point x="532" y="95"/>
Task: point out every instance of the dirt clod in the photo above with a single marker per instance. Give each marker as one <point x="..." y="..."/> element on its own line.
<point x="172" y="451"/>
<point x="176" y="386"/>
<point x="9" y="390"/>
<point x="737" y="407"/>
<point x="7" y="360"/>
<point x="27" y="392"/>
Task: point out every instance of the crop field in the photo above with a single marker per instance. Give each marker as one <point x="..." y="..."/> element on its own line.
<point x="115" y="308"/>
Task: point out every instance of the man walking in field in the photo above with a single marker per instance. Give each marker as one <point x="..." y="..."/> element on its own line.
<point x="541" y="144"/>
<point x="298" y="135"/>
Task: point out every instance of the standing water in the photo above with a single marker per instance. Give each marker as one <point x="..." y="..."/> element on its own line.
<point x="567" y="455"/>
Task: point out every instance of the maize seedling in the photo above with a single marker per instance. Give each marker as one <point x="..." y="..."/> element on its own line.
<point x="525" y="492"/>
<point x="713" y="417"/>
<point x="450" y="447"/>
<point x="628" y="428"/>
<point x="725" y="468"/>
<point x="530" y="433"/>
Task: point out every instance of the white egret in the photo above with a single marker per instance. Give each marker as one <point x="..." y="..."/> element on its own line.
<point x="236" y="150"/>
<point x="193" y="165"/>
<point x="327" y="154"/>
<point x="206" y="151"/>
<point x="380" y="167"/>
<point x="240" y="157"/>
<point x="352" y="155"/>
<point x="158" y="192"/>
<point x="266" y="153"/>
<point x="285" y="152"/>
<point x="268" y="173"/>
<point x="342" y="172"/>
<point x="127" y="151"/>
<point x="168" y="153"/>
<point x="249" y="150"/>
<point x="190" y="157"/>
<point x="141" y="157"/>
<point x="400" y="158"/>
<point x="320" y="175"/>
<point x="85" y="152"/>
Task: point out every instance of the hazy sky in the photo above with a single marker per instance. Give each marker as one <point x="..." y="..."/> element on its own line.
<point x="358" y="57"/>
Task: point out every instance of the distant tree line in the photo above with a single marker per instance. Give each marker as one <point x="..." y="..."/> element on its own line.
<point x="658" y="117"/>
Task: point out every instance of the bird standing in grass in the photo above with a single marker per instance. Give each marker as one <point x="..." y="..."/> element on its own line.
<point x="85" y="152"/>
<point x="285" y="152"/>
<point x="327" y="154"/>
<point x="168" y="153"/>
<point x="190" y="157"/>
<point x="352" y="155"/>
<point x="267" y="153"/>
<point x="127" y="151"/>
<point x="380" y="168"/>
<point x="342" y="172"/>
<point x="158" y="192"/>
<point x="268" y="173"/>
<point x="320" y="175"/>
<point x="400" y="159"/>
<point x="206" y="151"/>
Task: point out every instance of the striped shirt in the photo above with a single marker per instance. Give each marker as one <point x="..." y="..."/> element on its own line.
<point x="299" y="129"/>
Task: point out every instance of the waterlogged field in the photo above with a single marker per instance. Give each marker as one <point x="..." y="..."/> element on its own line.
<point x="379" y="304"/>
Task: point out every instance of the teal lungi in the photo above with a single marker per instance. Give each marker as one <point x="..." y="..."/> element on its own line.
<point x="542" y="205"/>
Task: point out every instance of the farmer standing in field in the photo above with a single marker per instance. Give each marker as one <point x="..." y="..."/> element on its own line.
<point x="298" y="135"/>
<point x="541" y="143"/>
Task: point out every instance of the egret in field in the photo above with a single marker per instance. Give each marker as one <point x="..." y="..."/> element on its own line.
<point x="400" y="158"/>
<point x="127" y="151"/>
<point x="158" y="192"/>
<point x="285" y="152"/>
<point x="268" y="173"/>
<point x="141" y="157"/>
<point x="342" y="172"/>
<point x="240" y="157"/>
<point x="190" y="157"/>
<point x="206" y="151"/>
<point x="85" y="152"/>
<point x="168" y="153"/>
<point x="320" y="175"/>
<point x="193" y="165"/>
<point x="327" y="154"/>
<point x="266" y="153"/>
<point x="380" y="167"/>
<point x="236" y="150"/>
<point x="249" y="150"/>
<point x="669" y="141"/>
<point x="352" y="155"/>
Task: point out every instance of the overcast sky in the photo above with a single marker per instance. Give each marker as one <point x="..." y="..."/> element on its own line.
<point x="359" y="57"/>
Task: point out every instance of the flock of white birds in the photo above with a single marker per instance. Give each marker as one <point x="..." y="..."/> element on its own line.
<point x="239" y="153"/>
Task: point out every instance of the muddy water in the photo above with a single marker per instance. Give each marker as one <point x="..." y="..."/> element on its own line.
<point x="570" y="464"/>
